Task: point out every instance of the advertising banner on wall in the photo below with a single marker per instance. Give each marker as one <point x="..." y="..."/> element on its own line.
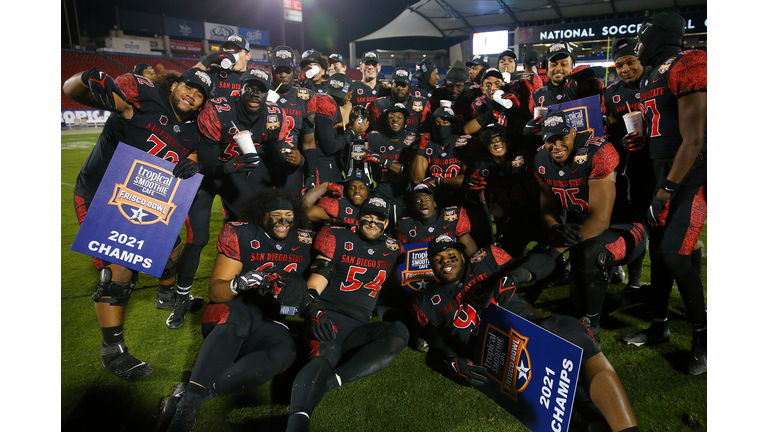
<point x="184" y="28"/>
<point x="68" y="116"/>
<point x="128" y="45"/>
<point x="219" y="32"/>
<point x="186" y="47"/>
<point x="255" y="37"/>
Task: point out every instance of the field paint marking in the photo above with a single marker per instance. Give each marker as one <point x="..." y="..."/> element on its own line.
<point x="67" y="184"/>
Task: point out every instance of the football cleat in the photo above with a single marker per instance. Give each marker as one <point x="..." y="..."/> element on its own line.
<point x="164" y="299"/>
<point x="181" y="306"/>
<point x="657" y="333"/>
<point x="697" y="362"/>
<point x="116" y="359"/>
<point x="168" y="405"/>
<point x="187" y="410"/>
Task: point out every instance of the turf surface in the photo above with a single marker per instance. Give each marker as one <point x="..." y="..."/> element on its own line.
<point x="407" y="396"/>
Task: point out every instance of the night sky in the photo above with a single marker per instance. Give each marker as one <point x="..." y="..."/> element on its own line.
<point x="329" y="25"/>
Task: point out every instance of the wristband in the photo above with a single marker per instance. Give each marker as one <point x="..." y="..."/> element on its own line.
<point x="233" y="286"/>
<point x="669" y="186"/>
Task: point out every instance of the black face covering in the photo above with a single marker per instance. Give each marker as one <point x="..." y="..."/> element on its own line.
<point x="662" y="37"/>
<point x="442" y="133"/>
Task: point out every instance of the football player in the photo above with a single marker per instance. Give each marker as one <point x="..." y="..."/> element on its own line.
<point x="370" y="87"/>
<point x="477" y="67"/>
<point x="577" y="176"/>
<point x="230" y="172"/>
<point x="298" y="105"/>
<point x="244" y="343"/>
<point x="141" y="107"/>
<point x="673" y="95"/>
<point x="503" y="109"/>
<point x="454" y="91"/>
<point x="426" y="77"/>
<point x="450" y="311"/>
<point x="346" y="276"/>
<point x="336" y="64"/>
<point x="145" y="70"/>
<point x="417" y="106"/>
<point x="338" y="204"/>
<point x="227" y="79"/>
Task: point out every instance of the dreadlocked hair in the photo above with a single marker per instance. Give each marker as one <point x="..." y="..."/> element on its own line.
<point x="257" y="205"/>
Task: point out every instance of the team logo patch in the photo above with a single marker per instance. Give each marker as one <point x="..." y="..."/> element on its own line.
<point x="272" y="122"/>
<point x="176" y="128"/>
<point x="542" y="171"/>
<point x="348" y="210"/>
<point x="518" y="161"/>
<point x="359" y="91"/>
<point x="383" y="149"/>
<point x="232" y="130"/>
<point x="223" y="74"/>
<point x="370" y="251"/>
<point x="478" y="256"/>
<point x="435" y="299"/>
<point x="146" y="197"/>
<point x="581" y="156"/>
<point x="428" y="151"/>
<point x="409" y="139"/>
<point x="515" y="377"/>
<point x="616" y="99"/>
<point x="348" y="246"/>
<point x="255" y="244"/>
<point x="303" y="94"/>
<point x="412" y="233"/>
<point x="417" y="106"/>
<point x="665" y="67"/>
<point x="279" y="246"/>
<point x="163" y="120"/>
<point x="431" y="229"/>
<point x="450" y="215"/>
<point x="392" y="244"/>
<point x="305" y="237"/>
<point x="485" y="172"/>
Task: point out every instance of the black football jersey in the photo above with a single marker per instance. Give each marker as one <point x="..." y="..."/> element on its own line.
<point x="592" y="158"/>
<point x="297" y="105"/>
<point x="391" y="185"/>
<point x="153" y="129"/>
<point x="362" y="95"/>
<point x="443" y="162"/>
<point x="225" y="82"/>
<point x="421" y="92"/>
<point x="340" y="208"/>
<point x="681" y="74"/>
<point x="462" y="106"/>
<point x="451" y="221"/>
<point x="511" y="184"/>
<point x="417" y="106"/>
<point x="361" y="268"/>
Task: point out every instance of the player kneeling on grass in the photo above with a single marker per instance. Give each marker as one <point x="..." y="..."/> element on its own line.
<point x="450" y="312"/>
<point x="137" y="104"/>
<point x="346" y="276"/>
<point x="245" y="345"/>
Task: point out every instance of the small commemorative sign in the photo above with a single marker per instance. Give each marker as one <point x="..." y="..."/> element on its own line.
<point x="585" y="114"/>
<point x="415" y="272"/>
<point x="137" y="212"/>
<point x="532" y="372"/>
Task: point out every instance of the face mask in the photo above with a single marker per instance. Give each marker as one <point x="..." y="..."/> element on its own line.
<point x="443" y="132"/>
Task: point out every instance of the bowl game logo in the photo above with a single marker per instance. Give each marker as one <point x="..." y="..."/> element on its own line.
<point x="416" y="272"/>
<point x="203" y="77"/>
<point x="417" y="106"/>
<point x="581" y="156"/>
<point x="146" y="197"/>
<point x="519" y="161"/>
<point x="513" y="375"/>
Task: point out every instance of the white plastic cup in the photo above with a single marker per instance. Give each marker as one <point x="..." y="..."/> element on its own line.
<point x="507" y="77"/>
<point x="314" y="70"/>
<point x="245" y="142"/>
<point x="227" y="63"/>
<point x="506" y="103"/>
<point x="446" y="103"/>
<point x="540" y="111"/>
<point x="273" y="96"/>
<point x="634" y="122"/>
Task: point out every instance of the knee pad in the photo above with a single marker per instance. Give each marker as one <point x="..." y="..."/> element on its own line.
<point x="118" y="293"/>
<point x="591" y="255"/>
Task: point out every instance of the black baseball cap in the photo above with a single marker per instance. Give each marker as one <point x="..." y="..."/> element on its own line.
<point x="401" y="74"/>
<point x="446" y="113"/>
<point x="397" y="107"/>
<point x="359" y="175"/>
<point x="478" y="60"/>
<point x="237" y="40"/>
<point x="199" y="78"/>
<point x="422" y="188"/>
<point x="375" y="205"/>
<point x="456" y="75"/>
<point x="336" y="58"/>
<point x="140" y="67"/>
<point x="623" y="47"/>
<point x="531" y="57"/>
<point x="558" y="48"/>
<point x="258" y="75"/>
<point x="493" y="72"/>
<point x="443" y="242"/>
<point x="283" y="56"/>
<point x="555" y="123"/>
<point x="371" y="56"/>
<point x="508" y="53"/>
<point x="339" y="85"/>
<point x="311" y="56"/>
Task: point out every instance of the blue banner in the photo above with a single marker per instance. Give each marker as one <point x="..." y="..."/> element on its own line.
<point x="532" y="373"/>
<point x="184" y="28"/>
<point x="137" y="212"/>
<point x="255" y="37"/>
<point x="85" y="116"/>
<point x="415" y="272"/>
<point x="586" y="114"/>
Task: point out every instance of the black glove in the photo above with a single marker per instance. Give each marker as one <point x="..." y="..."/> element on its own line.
<point x="242" y="163"/>
<point x="433" y="181"/>
<point x="305" y="81"/>
<point x="465" y="372"/>
<point x="476" y="181"/>
<point x="633" y="142"/>
<point x="505" y="290"/>
<point x="216" y="58"/>
<point x="310" y="182"/>
<point x="533" y="126"/>
<point x="102" y="86"/>
<point x="250" y="279"/>
<point x="378" y="159"/>
<point x="567" y="233"/>
<point x="323" y="328"/>
<point x="657" y="212"/>
<point x="186" y="168"/>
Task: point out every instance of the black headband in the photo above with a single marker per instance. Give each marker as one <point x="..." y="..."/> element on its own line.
<point x="279" y="203"/>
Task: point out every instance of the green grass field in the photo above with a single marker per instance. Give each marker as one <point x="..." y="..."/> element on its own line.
<point x="407" y="396"/>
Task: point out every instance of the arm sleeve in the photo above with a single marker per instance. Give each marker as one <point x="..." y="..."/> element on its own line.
<point x="463" y="225"/>
<point x="325" y="242"/>
<point x="227" y="243"/>
<point x="604" y="162"/>
<point x="688" y="75"/>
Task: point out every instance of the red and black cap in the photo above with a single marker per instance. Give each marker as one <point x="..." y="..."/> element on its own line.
<point x="240" y="42"/>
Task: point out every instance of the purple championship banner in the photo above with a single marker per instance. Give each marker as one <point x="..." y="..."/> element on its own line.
<point x="137" y="212"/>
<point x="532" y="372"/>
<point x="416" y="271"/>
<point x="586" y="114"/>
